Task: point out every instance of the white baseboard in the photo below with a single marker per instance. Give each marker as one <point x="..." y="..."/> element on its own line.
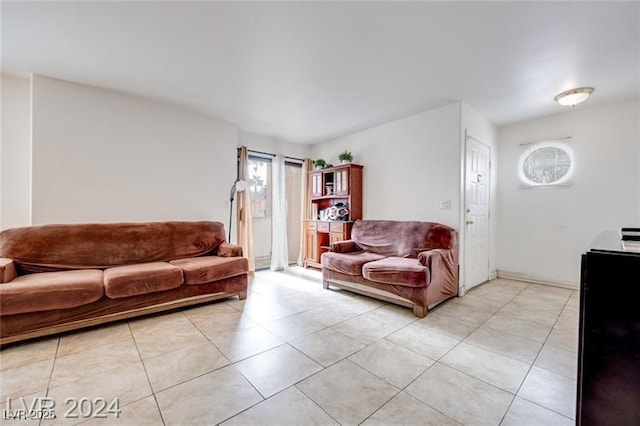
<point x="493" y="274"/>
<point x="517" y="276"/>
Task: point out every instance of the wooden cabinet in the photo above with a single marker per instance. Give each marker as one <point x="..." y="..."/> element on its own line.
<point x="335" y="197"/>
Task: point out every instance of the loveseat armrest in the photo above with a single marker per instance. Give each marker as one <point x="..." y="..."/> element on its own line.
<point x="346" y="246"/>
<point x="443" y="268"/>
<point x="229" y="250"/>
<point x="7" y="270"/>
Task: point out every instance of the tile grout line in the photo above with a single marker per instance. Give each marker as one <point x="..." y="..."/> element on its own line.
<point x="144" y="367"/>
<point x="533" y="364"/>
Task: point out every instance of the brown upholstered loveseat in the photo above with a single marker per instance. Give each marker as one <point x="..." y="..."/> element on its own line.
<point x="410" y="263"/>
<point x="56" y="278"/>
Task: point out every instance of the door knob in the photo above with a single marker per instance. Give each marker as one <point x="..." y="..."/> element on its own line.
<point x="469" y="222"/>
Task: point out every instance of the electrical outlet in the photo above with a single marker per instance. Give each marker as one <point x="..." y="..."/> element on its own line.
<point x="445" y="205"/>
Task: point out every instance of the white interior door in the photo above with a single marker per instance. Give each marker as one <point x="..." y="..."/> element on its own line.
<point x="477" y="189"/>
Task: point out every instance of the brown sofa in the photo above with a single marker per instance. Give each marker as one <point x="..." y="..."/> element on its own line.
<point x="56" y="278"/>
<point x="413" y="264"/>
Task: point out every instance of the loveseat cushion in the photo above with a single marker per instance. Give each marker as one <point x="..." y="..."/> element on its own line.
<point x="50" y="290"/>
<point x="397" y="271"/>
<point x="348" y="263"/>
<point x="200" y="270"/>
<point x="132" y="280"/>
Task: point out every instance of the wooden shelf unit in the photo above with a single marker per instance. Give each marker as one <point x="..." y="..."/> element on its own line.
<point x="329" y="187"/>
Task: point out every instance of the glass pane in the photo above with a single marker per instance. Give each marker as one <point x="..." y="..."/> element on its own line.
<point x="546" y="165"/>
<point x="260" y="190"/>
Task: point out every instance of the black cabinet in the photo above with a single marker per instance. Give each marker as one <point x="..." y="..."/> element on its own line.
<point x="609" y="342"/>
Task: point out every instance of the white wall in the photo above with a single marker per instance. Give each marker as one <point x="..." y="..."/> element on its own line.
<point x="105" y="156"/>
<point x="273" y="146"/>
<point x="411" y="166"/>
<point x="15" y="162"/>
<point x="542" y="232"/>
<point x="479" y="127"/>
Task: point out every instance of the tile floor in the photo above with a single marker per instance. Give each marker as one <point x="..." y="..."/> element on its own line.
<point x="293" y="353"/>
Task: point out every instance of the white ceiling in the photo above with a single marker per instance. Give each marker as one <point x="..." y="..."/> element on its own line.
<point x="306" y="72"/>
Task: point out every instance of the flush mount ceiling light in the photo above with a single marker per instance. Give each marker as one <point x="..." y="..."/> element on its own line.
<point x="574" y="96"/>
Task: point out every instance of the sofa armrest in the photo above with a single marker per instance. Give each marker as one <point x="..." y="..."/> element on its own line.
<point x="443" y="268"/>
<point x="346" y="246"/>
<point x="7" y="270"/>
<point x="229" y="250"/>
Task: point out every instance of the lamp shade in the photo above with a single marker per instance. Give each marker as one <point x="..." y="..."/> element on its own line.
<point x="574" y="96"/>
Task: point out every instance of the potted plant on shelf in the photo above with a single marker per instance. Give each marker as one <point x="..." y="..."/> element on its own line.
<point x="319" y="163"/>
<point x="345" y="157"/>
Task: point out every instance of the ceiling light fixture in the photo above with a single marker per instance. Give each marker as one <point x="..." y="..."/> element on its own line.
<point x="574" y="96"/>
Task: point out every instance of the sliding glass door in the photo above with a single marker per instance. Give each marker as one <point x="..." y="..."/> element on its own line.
<point x="260" y="185"/>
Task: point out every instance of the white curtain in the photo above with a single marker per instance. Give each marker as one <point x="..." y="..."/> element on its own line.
<point x="279" y="249"/>
<point x="304" y="208"/>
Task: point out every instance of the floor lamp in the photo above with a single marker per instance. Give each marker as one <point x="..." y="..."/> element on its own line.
<point x="238" y="186"/>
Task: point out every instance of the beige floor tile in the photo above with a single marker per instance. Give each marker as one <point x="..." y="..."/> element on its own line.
<point x="519" y="348"/>
<point x="497" y="291"/>
<point x="485" y="303"/>
<point x="224" y="321"/>
<point x="127" y="383"/>
<point x="442" y="323"/>
<point x="83" y="340"/>
<point x="364" y="329"/>
<point x="558" y="361"/>
<point x="469" y="313"/>
<point x="358" y="303"/>
<point x="156" y="323"/>
<point x="301" y="302"/>
<point x="293" y="327"/>
<point x="327" y="346"/>
<point x="153" y="342"/>
<point x="525" y="413"/>
<point x="519" y="327"/>
<point x="21" y="354"/>
<point x="347" y="392"/>
<point x="546" y="315"/>
<point x="329" y="314"/>
<point x="550" y="390"/>
<point x="144" y="412"/>
<point x="79" y="365"/>
<point x="423" y="341"/>
<point x="392" y="315"/>
<point x="25" y="380"/>
<point x="208" y="311"/>
<point x="240" y="344"/>
<point x="175" y="367"/>
<point x="393" y="363"/>
<point x="406" y="410"/>
<point x="276" y="369"/>
<point x="208" y="399"/>
<point x="498" y="370"/>
<point x="461" y="397"/>
<point x="265" y="311"/>
<point x="289" y="407"/>
<point x="564" y="338"/>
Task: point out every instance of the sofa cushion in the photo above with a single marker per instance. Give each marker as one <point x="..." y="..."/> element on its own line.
<point x="50" y="248"/>
<point x="132" y="280"/>
<point x="348" y="263"/>
<point x="397" y="271"/>
<point x="199" y="270"/>
<point x="50" y="290"/>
